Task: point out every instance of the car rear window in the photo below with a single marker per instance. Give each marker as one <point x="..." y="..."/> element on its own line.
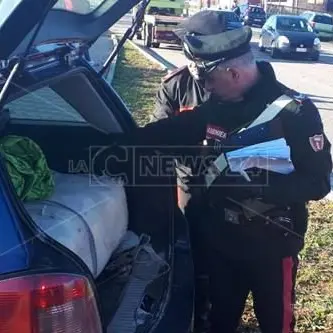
<point x="161" y="11"/>
<point x="256" y="10"/>
<point x="43" y="104"/>
<point x="324" y="19"/>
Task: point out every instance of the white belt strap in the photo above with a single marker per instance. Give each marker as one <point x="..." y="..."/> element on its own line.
<point x="267" y="115"/>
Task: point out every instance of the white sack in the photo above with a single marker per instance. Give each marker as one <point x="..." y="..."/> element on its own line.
<point x="87" y="215"/>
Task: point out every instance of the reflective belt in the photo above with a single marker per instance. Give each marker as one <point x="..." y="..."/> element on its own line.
<point x="272" y="110"/>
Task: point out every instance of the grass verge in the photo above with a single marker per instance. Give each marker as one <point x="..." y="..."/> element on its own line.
<point x="137" y="80"/>
<point x="314" y="305"/>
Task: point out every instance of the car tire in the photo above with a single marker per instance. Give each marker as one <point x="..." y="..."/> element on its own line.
<point x="260" y="45"/>
<point x="315" y="58"/>
<point x="274" y="51"/>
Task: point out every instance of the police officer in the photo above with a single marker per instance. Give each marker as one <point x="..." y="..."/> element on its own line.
<point x="181" y="91"/>
<point x="256" y="219"/>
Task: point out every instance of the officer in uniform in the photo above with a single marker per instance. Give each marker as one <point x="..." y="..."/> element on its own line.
<point x="181" y="91"/>
<point x="256" y="219"/>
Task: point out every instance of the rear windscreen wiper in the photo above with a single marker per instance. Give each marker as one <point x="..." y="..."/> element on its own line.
<point x="129" y="34"/>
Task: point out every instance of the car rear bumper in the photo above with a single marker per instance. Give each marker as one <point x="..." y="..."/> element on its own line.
<point x="299" y="52"/>
<point x="256" y="21"/>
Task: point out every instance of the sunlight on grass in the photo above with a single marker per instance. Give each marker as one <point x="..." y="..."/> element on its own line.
<point x="137" y="80"/>
<point x="314" y="306"/>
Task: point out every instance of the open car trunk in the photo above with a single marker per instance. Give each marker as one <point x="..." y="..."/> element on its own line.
<point x="134" y="280"/>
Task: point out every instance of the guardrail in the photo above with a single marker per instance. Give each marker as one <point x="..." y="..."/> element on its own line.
<point x="282" y="9"/>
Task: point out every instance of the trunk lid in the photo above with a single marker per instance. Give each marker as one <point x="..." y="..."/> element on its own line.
<point x="64" y="21"/>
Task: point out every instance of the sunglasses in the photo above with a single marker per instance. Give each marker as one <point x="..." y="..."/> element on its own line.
<point x="200" y="69"/>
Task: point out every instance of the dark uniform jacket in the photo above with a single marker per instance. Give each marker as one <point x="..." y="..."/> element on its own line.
<point x="301" y="124"/>
<point x="179" y="92"/>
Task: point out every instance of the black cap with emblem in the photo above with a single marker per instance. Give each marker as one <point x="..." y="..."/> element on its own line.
<point x="208" y="42"/>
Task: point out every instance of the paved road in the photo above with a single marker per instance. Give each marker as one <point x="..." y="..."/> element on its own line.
<point x="312" y="78"/>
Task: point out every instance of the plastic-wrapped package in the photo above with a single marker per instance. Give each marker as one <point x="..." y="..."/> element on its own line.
<point x="88" y="215"/>
<point x="272" y="155"/>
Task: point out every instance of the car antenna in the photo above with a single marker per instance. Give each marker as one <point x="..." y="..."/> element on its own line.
<point x="129" y="34"/>
<point x="19" y="61"/>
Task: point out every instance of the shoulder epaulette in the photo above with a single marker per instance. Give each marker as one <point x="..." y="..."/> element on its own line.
<point x="173" y="73"/>
<point x="298" y="97"/>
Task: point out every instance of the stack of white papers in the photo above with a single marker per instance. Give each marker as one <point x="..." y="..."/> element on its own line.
<point x="272" y="155"/>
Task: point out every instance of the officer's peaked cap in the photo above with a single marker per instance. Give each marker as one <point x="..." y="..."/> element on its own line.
<point x="206" y="37"/>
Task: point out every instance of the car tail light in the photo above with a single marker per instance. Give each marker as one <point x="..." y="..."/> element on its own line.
<point x="48" y="303"/>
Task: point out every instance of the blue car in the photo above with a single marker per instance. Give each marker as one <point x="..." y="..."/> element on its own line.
<point x="233" y="21"/>
<point x="95" y="255"/>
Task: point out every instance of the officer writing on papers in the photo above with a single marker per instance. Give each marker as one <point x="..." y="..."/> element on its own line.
<point x="255" y="213"/>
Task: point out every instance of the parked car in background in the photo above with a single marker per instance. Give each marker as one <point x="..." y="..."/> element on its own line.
<point x="321" y="23"/>
<point x="289" y="35"/>
<point x="82" y="249"/>
<point x="254" y="15"/>
<point x="233" y="21"/>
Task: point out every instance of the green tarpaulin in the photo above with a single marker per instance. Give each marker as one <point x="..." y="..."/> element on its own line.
<point x="27" y="168"/>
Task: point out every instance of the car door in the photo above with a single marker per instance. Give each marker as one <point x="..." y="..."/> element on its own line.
<point x="265" y="32"/>
<point x="323" y="23"/>
<point x="271" y="32"/>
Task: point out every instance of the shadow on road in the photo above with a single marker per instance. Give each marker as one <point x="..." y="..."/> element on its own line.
<point x="171" y="47"/>
<point x="324" y="103"/>
<point x="159" y="58"/>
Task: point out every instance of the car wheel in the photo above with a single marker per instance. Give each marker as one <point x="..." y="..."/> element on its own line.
<point x="261" y="45"/>
<point x="315" y="58"/>
<point x="274" y="51"/>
